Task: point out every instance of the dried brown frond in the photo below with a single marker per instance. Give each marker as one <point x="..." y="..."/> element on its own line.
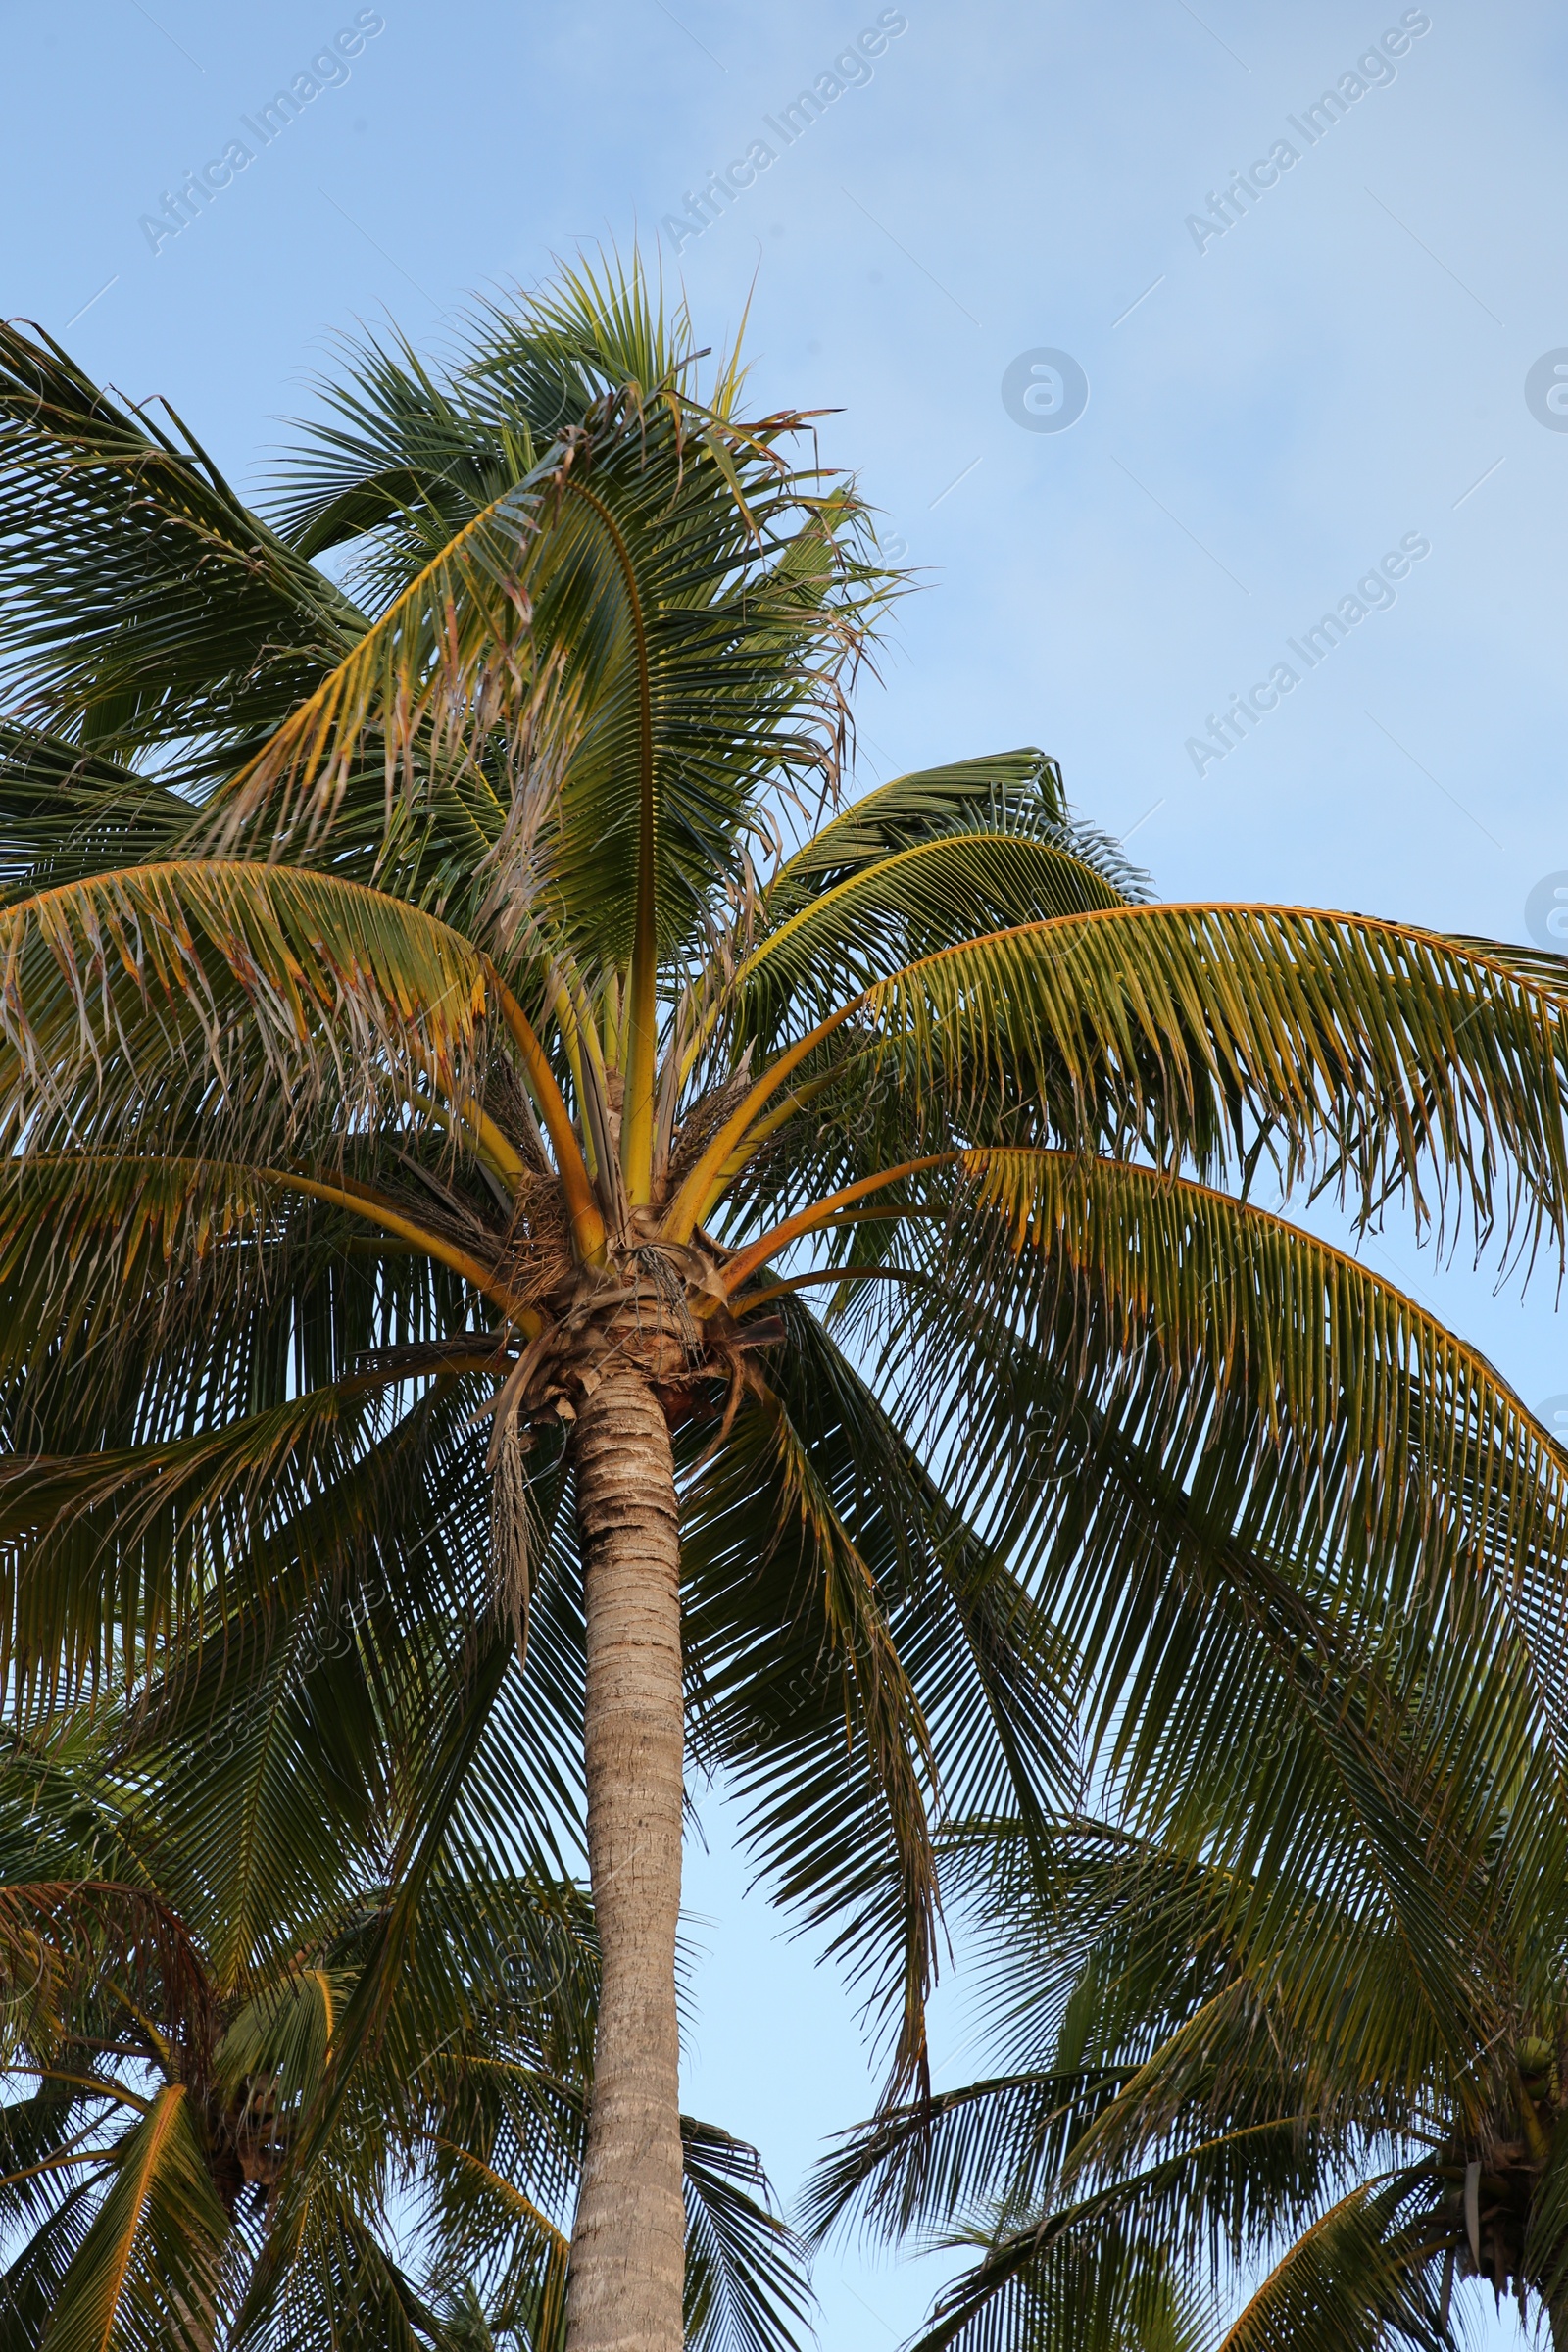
<point x="705" y="1119"/>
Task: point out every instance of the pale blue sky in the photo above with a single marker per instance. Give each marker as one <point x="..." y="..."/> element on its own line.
<point x="1268" y="417"/>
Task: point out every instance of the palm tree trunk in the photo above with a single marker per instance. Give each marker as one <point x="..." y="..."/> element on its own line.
<point x="628" y="2240"/>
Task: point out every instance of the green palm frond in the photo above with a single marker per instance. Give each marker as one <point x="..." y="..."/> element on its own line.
<point x="68" y="812"/>
<point x="147" y="2272"/>
<point x="489" y="2228"/>
<point x="144" y="1539"/>
<point x="114" y="1518"/>
<point x="467" y="2328"/>
<point x="137" y="1289"/>
<point x="909" y="905"/>
<point x="841" y="1619"/>
<point x="1222" y="1396"/>
<point x="1078" y="2281"/>
<point x="377" y="2004"/>
<point x="615" y="591"/>
<point x="921" y="2168"/>
<point x="283" y="2036"/>
<point x="1354" y="2281"/>
<point x="1018" y="790"/>
<point x="1389" y="1057"/>
<point x="1234" y="2105"/>
<point x="399" y="448"/>
<point x="305" y="1734"/>
<point x="1416" y="1462"/>
<point x="1019" y="793"/>
<point x="454" y="649"/>
<point x="348" y="2291"/>
<point x="145" y="607"/>
<point x="744" y="2291"/>
<point x="30" y="2284"/>
<point x="394" y="464"/>
<point x="1544" y="2251"/>
<point x="152" y="964"/>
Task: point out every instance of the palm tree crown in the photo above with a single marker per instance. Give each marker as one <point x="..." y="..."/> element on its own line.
<point x="1316" y="2085"/>
<point x="495" y="1164"/>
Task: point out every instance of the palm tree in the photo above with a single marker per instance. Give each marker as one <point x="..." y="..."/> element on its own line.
<point x="156" y="2097"/>
<point x="1352" y="2098"/>
<point x="438" y="984"/>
